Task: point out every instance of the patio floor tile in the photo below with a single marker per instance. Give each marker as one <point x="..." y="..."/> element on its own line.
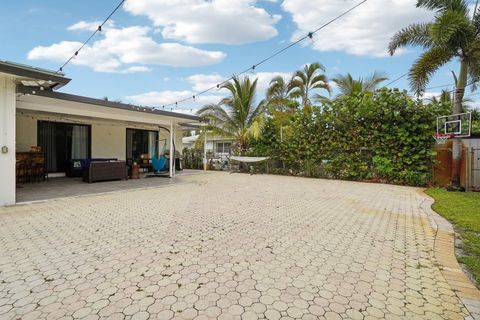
<point x="231" y="246"/>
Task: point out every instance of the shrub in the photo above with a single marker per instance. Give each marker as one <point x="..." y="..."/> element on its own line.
<point x="384" y="136"/>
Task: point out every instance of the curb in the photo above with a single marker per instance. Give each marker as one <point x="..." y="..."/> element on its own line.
<point x="444" y="252"/>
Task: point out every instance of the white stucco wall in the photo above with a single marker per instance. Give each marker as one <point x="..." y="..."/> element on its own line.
<point x="109" y="141"/>
<point x="7" y="140"/>
<point x="26" y="132"/>
<point x="178" y="139"/>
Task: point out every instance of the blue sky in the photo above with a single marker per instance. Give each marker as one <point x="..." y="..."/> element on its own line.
<point x="157" y="51"/>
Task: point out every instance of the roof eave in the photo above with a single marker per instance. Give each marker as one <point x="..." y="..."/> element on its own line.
<point x="57" y="80"/>
<point x="110" y="104"/>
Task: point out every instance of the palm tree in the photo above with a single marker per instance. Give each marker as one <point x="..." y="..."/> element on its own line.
<point x="237" y="116"/>
<point x="445" y="97"/>
<point x="452" y="35"/>
<point x="280" y="102"/>
<point x="349" y="86"/>
<point x="279" y="95"/>
<point x="305" y="81"/>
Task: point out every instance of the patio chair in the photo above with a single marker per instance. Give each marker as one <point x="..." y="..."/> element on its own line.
<point x="38" y="170"/>
<point x="22" y="169"/>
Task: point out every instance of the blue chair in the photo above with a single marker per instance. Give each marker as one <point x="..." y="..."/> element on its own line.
<point x="159" y="164"/>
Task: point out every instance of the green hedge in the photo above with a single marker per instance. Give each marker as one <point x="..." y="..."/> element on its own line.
<point x="383" y="136"/>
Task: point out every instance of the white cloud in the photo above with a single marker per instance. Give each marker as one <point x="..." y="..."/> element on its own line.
<point x="264" y="79"/>
<point x="215" y="21"/>
<point x="136" y="69"/>
<point x="202" y="82"/>
<point x="131" y="45"/>
<point x="90" y="26"/>
<point x="366" y="31"/>
<point x="160" y="98"/>
<point x="427" y="96"/>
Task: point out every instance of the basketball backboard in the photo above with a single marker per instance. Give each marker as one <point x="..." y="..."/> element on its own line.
<point x="456" y="125"/>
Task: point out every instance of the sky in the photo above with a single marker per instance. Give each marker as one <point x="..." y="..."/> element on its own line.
<point x="156" y="52"/>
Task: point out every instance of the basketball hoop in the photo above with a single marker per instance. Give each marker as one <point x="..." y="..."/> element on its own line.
<point x="441" y="138"/>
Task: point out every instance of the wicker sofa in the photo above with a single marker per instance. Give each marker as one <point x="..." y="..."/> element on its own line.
<point x="105" y="171"/>
<point x="75" y="167"/>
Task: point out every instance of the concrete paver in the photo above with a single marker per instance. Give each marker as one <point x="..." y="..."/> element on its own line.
<point x="228" y="247"/>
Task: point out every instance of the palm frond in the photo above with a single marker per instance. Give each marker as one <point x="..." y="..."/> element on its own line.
<point x="443" y="5"/>
<point x="349" y="86"/>
<point x="304" y="81"/>
<point x="414" y="34"/>
<point x="473" y="64"/>
<point x="321" y="99"/>
<point x="313" y="67"/>
<point x="425" y="66"/>
<point x="214" y="110"/>
<point x="256" y="128"/>
<point x="372" y="82"/>
<point x="452" y="27"/>
<point x="237" y="115"/>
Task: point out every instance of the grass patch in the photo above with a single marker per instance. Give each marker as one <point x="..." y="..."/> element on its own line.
<point x="462" y="209"/>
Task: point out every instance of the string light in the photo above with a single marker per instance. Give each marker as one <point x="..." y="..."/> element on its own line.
<point x="99" y="29"/>
<point x="397" y="79"/>
<point x="254" y="66"/>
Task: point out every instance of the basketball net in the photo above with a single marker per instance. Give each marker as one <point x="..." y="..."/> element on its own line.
<point x="441" y="138"/>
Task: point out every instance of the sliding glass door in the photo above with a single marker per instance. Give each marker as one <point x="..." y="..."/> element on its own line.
<point x="141" y="144"/>
<point x="63" y="142"/>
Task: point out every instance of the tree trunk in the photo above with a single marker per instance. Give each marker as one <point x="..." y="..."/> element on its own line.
<point x="457" y="108"/>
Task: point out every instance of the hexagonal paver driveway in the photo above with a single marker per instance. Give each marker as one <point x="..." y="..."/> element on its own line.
<point x="223" y="246"/>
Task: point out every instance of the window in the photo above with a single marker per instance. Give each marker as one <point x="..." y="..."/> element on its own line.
<point x="141" y="144"/>
<point x="223" y="147"/>
<point x="62" y="142"/>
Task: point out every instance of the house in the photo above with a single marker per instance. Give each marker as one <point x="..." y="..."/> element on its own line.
<point x="66" y="126"/>
<point x="216" y="147"/>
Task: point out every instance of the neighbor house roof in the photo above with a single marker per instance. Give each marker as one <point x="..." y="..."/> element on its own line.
<point x="191" y="139"/>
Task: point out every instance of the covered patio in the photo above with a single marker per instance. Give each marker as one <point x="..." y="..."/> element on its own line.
<point x="46" y="133"/>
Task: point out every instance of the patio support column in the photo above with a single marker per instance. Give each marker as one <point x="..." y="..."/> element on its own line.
<point x="171" y="163"/>
<point x="174" y="150"/>
<point x="205" y="151"/>
<point x="7" y="140"/>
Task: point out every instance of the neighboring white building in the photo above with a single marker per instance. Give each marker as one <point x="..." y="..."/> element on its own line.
<point x="69" y="126"/>
<point x="217" y="147"/>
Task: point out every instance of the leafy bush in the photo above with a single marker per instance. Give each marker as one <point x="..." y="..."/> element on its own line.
<point x="383" y="136"/>
<point x="192" y="158"/>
